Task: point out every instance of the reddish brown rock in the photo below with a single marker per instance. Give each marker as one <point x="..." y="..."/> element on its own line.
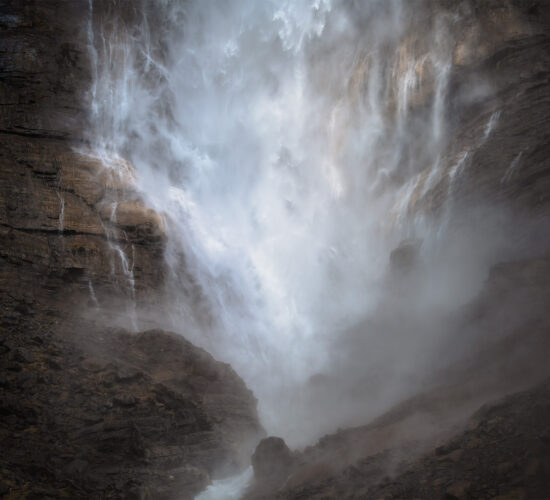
<point x="62" y="225"/>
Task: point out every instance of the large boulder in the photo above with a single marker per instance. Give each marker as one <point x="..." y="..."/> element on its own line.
<point x="105" y="413"/>
<point x="272" y="458"/>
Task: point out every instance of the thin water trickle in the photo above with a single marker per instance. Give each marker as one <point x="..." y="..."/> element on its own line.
<point x="491" y="124"/>
<point x="61" y="218"/>
<point x="92" y="294"/>
<point x="511" y="170"/>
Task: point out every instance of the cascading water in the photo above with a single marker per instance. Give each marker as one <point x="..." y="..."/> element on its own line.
<point x="229" y="488"/>
<point x="284" y="142"/>
<point x="61" y="213"/>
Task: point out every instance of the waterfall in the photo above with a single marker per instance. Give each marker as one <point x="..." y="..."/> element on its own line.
<point x="280" y="139"/>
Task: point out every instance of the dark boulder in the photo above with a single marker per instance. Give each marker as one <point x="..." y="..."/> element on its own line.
<point x="405" y="256"/>
<point x="272" y="458"/>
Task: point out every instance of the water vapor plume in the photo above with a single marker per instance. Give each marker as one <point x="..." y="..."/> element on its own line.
<point x="285" y="142"/>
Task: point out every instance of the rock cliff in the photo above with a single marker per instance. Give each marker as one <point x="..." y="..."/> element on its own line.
<point x="71" y="222"/>
<point x="497" y="111"/>
<point x="90" y="411"/>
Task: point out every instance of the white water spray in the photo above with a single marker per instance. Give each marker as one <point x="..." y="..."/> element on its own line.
<point x="61" y="218"/>
<point x="92" y="294"/>
<point x="277" y="137"/>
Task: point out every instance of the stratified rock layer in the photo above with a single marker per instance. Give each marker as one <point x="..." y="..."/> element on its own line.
<point x="70" y="222"/>
<point x="94" y="412"/>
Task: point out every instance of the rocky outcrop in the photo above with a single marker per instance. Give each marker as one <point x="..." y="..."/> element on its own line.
<point x="272" y="462"/>
<point x="272" y="458"/>
<point x="110" y="414"/>
<point x="404" y="258"/>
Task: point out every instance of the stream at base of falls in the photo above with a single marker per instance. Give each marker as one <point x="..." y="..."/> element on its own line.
<point x="231" y="488"/>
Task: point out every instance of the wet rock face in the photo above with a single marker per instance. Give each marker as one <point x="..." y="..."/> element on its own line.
<point x="88" y="411"/>
<point x="497" y="110"/>
<point x="69" y="222"/>
<point x="60" y="211"/>
<point x="118" y="415"/>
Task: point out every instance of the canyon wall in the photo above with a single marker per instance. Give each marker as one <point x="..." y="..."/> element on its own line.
<point x="88" y="410"/>
<point x="501" y="56"/>
<point x="72" y="224"/>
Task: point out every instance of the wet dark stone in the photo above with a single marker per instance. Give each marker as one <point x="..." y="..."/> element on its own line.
<point x="272" y="458"/>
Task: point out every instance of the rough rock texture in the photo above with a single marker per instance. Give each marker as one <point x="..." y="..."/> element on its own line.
<point x="502" y="54"/>
<point x="113" y="414"/>
<point x="94" y="412"/>
<point x="272" y="458"/>
<point x="59" y="212"/>
<point x="89" y="411"/>
<point x="503" y="454"/>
